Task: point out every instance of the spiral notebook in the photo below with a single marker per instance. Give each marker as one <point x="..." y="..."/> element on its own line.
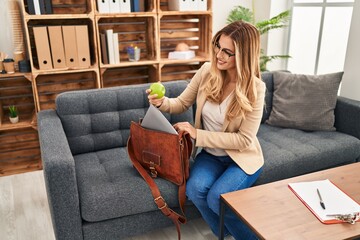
<point x="335" y="200"/>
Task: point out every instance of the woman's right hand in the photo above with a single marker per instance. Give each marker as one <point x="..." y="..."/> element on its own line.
<point x="153" y="98"/>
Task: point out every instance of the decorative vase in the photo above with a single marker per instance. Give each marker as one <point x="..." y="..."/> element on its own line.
<point x="14" y="119"/>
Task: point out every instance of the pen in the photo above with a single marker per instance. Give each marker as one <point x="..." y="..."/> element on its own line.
<point x="321" y="200"/>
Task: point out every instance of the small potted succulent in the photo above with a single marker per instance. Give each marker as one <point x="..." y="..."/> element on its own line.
<point x="14" y="118"/>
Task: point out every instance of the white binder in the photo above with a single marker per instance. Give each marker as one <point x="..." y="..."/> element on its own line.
<point x="37" y="7"/>
<point x="103" y="6"/>
<point x="114" y="6"/>
<point x="193" y="5"/>
<point x="202" y="5"/>
<point x="116" y="48"/>
<point x="110" y="45"/>
<point x="125" y="6"/>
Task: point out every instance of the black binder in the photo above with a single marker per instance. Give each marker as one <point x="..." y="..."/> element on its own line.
<point x="31" y="7"/>
<point x="48" y="6"/>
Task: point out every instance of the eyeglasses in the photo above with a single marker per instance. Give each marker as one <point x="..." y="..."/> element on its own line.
<point x="218" y="48"/>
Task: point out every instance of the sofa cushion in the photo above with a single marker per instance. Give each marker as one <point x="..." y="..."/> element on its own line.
<point x="110" y="187"/>
<point x="292" y="152"/>
<point x="304" y="102"/>
<point x="100" y="119"/>
<point x="267" y="78"/>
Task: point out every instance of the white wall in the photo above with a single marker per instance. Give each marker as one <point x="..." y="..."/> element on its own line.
<point x="221" y="10"/>
<point x="277" y="39"/>
<point x="6" y="35"/>
<point x="350" y="86"/>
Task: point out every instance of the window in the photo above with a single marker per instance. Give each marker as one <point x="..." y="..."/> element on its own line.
<point x="319" y="33"/>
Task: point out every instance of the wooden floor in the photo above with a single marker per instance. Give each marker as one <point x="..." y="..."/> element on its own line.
<point x="24" y="213"/>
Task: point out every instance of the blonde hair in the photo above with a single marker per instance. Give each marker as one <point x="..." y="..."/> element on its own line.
<point x="246" y="40"/>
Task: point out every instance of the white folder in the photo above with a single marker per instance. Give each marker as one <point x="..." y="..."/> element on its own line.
<point x="202" y="5"/>
<point x="116" y="48"/>
<point x="37" y="7"/>
<point x="114" y="6"/>
<point x="193" y="5"/>
<point x="110" y="45"/>
<point x="125" y="6"/>
<point x="103" y="6"/>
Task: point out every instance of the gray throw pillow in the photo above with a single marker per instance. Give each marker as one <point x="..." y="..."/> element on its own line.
<point x="305" y="102"/>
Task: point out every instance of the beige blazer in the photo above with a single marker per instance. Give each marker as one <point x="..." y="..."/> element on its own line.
<point x="238" y="136"/>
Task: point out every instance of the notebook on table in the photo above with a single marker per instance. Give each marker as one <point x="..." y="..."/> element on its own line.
<point x="336" y="203"/>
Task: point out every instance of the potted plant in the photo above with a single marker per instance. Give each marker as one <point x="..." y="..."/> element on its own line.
<point x="279" y="21"/>
<point x="14" y="118"/>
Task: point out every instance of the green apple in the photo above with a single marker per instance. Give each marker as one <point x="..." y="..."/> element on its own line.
<point x="157" y="88"/>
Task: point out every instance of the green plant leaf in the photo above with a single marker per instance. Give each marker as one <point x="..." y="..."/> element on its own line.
<point x="279" y="21"/>
<point x="13" y="111"/>
<point x="240" y="13"/>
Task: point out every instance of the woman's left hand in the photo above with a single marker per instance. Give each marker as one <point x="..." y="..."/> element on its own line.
<point x="187" y="127"/>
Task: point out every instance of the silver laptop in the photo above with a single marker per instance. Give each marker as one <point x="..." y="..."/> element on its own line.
<point x="155" y="120"/>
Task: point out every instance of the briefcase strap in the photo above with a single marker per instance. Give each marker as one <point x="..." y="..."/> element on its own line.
<point x="159" y="200"/>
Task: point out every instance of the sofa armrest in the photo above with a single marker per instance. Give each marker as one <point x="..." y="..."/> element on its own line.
<point x="347" y="116"/>
<point x="60" y="177"/>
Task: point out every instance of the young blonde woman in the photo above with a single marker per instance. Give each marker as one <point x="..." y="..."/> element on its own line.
<point x="230" y="97"/>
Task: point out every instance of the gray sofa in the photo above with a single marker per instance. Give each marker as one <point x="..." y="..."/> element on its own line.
<point x="95" y="193"/>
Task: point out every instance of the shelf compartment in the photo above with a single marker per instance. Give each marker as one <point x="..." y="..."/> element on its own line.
<point x="66" y="7"/>
<point x="139" y="31"/>
<point x="20" y="151"/>
<point x="61" y="22"/>
<point x="194" y="30"/>
<point x="129" y="75"/>
<point x="174" y="72"/>
<point x="50" y="85"/>
<point x="16" y="90"/>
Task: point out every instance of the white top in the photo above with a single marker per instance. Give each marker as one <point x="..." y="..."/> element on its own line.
<point x="213" y="115"/>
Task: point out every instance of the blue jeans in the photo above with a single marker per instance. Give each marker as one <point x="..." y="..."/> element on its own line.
<point x="211" y="176"/>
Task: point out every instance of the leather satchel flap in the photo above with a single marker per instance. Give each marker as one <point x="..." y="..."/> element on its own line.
<point x="149" y="157"/>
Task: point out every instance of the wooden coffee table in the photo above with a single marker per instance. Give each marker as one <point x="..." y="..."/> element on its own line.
<point x="273" y="211"/>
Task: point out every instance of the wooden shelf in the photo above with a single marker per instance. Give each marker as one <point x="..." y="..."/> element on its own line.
<point x="27" y="75"/>
<point x="194" y="30"/>
<point x="172" y="27"/>
<point x="31" y="24"/>
<point x="112" y="77"/>
<point x="57" y="16"/>
<point x="156" y="31"/>
<point x="37" y="72"/>
<point x="184" y="61"/>
<point x="20" y="151"/>
<point x="16" y="89"/>
<point x="24" y="122"/>
<point x="141" y="31"/>
<point x="179" y="71"/>
<point x="129" y="64"/>
<point x="48" y="86"/>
